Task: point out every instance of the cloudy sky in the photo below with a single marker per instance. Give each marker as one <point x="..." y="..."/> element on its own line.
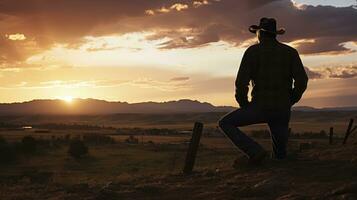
<point x="160" y="50"/>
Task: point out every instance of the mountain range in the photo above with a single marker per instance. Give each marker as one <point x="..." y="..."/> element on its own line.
<point x="97" y="107"/>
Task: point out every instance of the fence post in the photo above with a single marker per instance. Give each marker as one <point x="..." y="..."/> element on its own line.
<point x="331" y="136"/>
<point x="348" y="131"/>
<point x="193" y="147"/>
<point x="353" y="130"/>
<point x="289" y="132"/>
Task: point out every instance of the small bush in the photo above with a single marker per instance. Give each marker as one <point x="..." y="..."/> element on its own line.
<point x="77" y="149"/>
<point x="2" y="141"/>
<point x="98" y="139"/>
<point x="132" y="140"/>
<point x="7" y="152"/>
<point x="29" y="144"/>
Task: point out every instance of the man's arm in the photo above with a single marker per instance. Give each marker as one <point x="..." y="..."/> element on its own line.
<point x="242" y="80"/>
<point x="300" y="78"/>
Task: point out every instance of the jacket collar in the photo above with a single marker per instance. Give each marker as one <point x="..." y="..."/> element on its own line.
<point x="268" y="41"/>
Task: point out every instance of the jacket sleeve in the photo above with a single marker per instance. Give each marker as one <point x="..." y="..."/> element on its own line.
<point x="300" y="78"/>
<point x="242" y="80"/>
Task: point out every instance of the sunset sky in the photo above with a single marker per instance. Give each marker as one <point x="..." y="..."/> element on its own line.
<point x="161" y="50"/>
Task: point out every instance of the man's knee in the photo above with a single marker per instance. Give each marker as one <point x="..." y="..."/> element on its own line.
<point x="222" y="122"/>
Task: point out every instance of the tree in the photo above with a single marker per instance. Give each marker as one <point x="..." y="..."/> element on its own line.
<point x="29" y="144"/>
<point x="7" y="152"/>
<point x="77" y="149"/>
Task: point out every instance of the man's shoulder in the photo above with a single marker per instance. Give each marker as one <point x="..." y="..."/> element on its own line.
<point x="255" y="48"/>
<point x="287" y="48"/>
<point x="252" y="48"/>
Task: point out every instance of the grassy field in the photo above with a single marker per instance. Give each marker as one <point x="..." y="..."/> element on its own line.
<point x="300" y="121"/>
<point x="107" y="161"/>
<point x="152" y="154"/>
<point x="151" y="168"/>
<point x="144" y="171"/>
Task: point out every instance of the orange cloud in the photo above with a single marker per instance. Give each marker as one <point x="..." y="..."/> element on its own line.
<point x="197" y="4"/>
<point x="17" y="36"/>
<point x="179" y="7"/>
<point x="42" y="23"/>
<point x="339" y="72"/>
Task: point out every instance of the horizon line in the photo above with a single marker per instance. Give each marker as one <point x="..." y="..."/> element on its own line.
<point x="111" y="101"/>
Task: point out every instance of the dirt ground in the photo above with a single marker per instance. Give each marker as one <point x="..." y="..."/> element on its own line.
<point x="314" y="172"/>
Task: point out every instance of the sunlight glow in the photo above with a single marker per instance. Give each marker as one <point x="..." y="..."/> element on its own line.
<point x="67" y="99"/>
<point x="17" y="36"/>
<point x="132" y="50"/>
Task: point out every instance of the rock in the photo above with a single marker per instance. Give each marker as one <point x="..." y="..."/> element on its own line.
<point x="347" y="196"/>
<point x="111" y="186"/>
<point x="149" y="188"/>
<point x="292" y="197"/>
<point x="40" y="177"/>
<point x="78" y="188"/>
<point x="305" y="146"/>
<point x="107" y="194"/>
<point x="271" y="185"/>
<point x="240" y="162"/>
<point x="209" y="173"/>
<point x="348" y="188"/>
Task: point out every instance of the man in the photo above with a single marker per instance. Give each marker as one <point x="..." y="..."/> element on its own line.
<point x="278" y="79"/>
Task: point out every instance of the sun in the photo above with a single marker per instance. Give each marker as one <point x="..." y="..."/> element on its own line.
<point x="68" y="99"/>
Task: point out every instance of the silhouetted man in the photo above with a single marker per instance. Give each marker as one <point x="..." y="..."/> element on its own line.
<point x="278" y="79"/>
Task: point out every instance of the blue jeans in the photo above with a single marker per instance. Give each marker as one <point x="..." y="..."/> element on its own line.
<point x="277" y="120"/>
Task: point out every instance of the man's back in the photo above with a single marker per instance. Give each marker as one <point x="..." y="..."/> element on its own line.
<point x="272" y="67"/>
<point x="279" y="80"/>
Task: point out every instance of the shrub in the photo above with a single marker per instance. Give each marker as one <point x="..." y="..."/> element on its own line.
<point x="98" y="139"/>
<point x="77" y="149"/>
<point x="2" y="141"/>
<point x="7" y="152"/>
<point x="67" y="137"/>
<point x="29" y="144"/>
<point x="132" y="140"/>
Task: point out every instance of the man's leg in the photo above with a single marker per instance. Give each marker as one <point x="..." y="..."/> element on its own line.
<point x="242" y="117"/>
<point x="278" y="122"/>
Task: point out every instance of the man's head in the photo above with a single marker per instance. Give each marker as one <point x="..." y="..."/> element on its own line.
<point x="263" y="34"/>
<point x="266" y="28"/>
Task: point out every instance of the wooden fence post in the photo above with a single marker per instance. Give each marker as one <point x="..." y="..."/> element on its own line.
<point x="348" y="131"/>
<point x="193" y="147"/>
<point x="353" y="130"/>
<point x="331" y="136"/>
<point x="289" y="132"/>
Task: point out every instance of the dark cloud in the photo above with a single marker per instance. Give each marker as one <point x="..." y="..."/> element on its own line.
<point x="48" y="22"/>
<point x="341" y="72"/>
<point x="313" y="74"/>
<point x="329" y="45"/>
<point x="325" y="27"/>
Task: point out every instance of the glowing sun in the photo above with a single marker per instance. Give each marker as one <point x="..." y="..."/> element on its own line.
<point x="68" y="99"/>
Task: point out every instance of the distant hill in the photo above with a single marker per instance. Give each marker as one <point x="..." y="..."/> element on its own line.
<point x="95" y="107"/>
<point x="304" y="108"/>
<point x="312" y="109"/>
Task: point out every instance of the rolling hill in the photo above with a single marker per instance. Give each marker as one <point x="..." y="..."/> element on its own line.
<point x="102" y="107"/>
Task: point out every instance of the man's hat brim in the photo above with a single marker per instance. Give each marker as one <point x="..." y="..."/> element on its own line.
<point x="255" y="28"/>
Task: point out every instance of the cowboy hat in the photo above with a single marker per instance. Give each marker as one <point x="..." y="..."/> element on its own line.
<point x="267" y="25"/>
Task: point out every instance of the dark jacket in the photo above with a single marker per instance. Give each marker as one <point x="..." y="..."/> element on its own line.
<point x="277" y="74"/>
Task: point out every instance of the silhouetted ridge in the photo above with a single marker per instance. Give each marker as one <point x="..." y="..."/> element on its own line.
<point x="95" y="106"/>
